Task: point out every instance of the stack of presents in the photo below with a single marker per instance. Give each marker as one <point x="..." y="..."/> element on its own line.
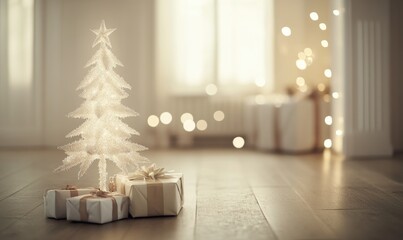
<point x="150" y="191"/>
<point x="291" y="123"/>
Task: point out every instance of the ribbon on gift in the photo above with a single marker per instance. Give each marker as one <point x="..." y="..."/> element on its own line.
<point x="155" y="192"/>
<point x="97" y="194"/>
<point x="112" y="184"/>
<point x="70" y="187"/>
<point x="155" y="195"/>
<point x="317" y="97"/>
<point x="60" y="201"/>
<point x="151" y="172"/>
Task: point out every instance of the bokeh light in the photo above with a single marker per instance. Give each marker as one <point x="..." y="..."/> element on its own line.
<point x="211" y="89"/>
<point x="322" y="26"/>
<point x="153" y="121"/>
<point x="201" y="125"/>
<point x="286" y="31"/>
<point x="238" y="142"/>
<point x="219" y="115"/>
<point x="189" y="125"/>
<point x="300" y="81"/>
<point x="324" y="43"/>
<point x="327" y="143"/>
<point x="328" y="120"/>
<point x="301" y="55"/>
<point x="328" y="73"/>
<point x="303" y="88"/>
<point x="336" y="12"/>
<point x="335" y="95"/>
<point x="308" y="52"/>
<point x="185" y="117"/>
<point x="314" y="16"/>
<point x="301" y="64"/>
<point x="166" y="118"/>
<point x="321" y="87"/>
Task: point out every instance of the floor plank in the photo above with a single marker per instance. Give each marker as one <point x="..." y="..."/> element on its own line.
<point x="230" y="214"/>
<point x="226" y="205"/>
<point x="362" y="224"/>
<point x="289" y="216"/>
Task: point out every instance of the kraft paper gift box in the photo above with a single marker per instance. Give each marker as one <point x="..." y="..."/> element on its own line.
<point x="98" y="208"/>
<point x="55" y="200"/>
<point x="160" y="197"/>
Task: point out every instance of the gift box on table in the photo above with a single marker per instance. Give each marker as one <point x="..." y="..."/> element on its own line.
<point x="98" y="207"/>
<point x="55" y="200"/>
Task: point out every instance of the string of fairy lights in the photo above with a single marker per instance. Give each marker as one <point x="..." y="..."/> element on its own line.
<point x="305" y="59"/>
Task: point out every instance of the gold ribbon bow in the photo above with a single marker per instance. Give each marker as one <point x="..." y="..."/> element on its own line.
<point x="70" y="187"/>
<point x="99" y="193"/>
<point x="96" y="194"/>
<point x="149" y="172"/>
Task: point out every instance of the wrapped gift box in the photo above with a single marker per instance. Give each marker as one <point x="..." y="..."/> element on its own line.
<point x="160" y="197"/>
<point x="289" y="124"/>
<point x="249" y="120"/>
<point x="55" y="200"/>
<point x="120" y="181"/>
<point x="296" y="123"/>
<point x="268" y="136"/>
<point x="95" y="208"/>
<point x="268" y="127"/>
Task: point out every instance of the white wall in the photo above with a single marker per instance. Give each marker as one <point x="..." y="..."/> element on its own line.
<point x="67" y="45"/>
<point x="365" y="76"/>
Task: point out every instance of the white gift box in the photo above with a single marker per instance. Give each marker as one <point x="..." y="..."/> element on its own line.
<point x="289" y="124"/>
<point x="97" y="209"/>
<point x="268" y="122"/>
<point x="55" y="201"/>
<point x="120" y="181"/>
<point x="161" y="197"/>
<point x="250" y="120"/>
<point x="296" y="123"/>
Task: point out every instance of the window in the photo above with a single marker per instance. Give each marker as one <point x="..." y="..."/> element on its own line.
<point x="225" y="42"/>
<point x="16" y="63"/>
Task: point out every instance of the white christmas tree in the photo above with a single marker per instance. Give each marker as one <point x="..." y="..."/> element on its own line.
<point x="103" y="134"/>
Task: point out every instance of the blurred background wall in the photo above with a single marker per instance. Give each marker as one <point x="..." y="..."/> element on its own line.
<point x="34" y="111"/>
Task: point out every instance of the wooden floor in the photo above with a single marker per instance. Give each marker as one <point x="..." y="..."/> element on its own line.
<point x="229" y="194"/>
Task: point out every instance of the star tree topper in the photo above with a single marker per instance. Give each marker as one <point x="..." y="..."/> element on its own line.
<point x="103" y="35"/>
